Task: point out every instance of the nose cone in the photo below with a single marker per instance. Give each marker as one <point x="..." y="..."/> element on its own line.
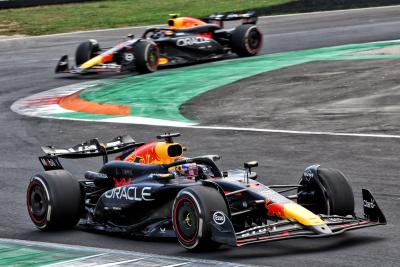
<point x="320" y="229"/>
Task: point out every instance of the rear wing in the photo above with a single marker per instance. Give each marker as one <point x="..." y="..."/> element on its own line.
<point x="249" y="17"/>
<point x="90" y="148"/>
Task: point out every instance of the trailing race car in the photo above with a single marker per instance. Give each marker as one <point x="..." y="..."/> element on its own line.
<point x="151" y="190"/>
<point x="184" y="40"/>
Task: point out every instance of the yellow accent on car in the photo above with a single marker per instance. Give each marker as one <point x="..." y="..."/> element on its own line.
<point x="92" y="62"/>
<point x="301" y="214"/>
<point x="168" y="152"/>
<point x="163" y="60"/>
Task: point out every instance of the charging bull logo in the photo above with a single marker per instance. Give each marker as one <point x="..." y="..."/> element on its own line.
<point x="145" y="154"/>
<point x="122" y="182"/>
<point x="276" y="209"/>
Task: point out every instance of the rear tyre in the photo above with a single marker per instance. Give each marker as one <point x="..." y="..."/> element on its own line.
<point x="192" y="213"/>
<point x="146" y="56"/>
<point x="54" y="200"/>
<point x="86" y="51"/>
<point x="327" y="191"/>
<point x="246" y="40"/>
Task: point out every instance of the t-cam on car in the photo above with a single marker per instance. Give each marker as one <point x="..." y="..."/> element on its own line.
<point x="184" y="40"/>
<point x="151" y="190"/>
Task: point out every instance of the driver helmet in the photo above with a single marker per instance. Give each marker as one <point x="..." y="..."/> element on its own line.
<point x="189" y="170"/>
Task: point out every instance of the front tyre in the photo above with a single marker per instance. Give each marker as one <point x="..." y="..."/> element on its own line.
<point x="246" y="40"/>
<point x="192" y="214"/>
<point x="54" y="200"/>
<point x="326" y="191"/>
<point x="86" y="51"/>
<point x="146" y="56"/>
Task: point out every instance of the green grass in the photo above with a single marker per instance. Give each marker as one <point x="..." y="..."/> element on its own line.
<point x="114" y="13"/>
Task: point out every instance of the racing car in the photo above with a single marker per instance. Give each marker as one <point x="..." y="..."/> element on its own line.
<point x="184" y="40"/>
<point x="153" y="190"/>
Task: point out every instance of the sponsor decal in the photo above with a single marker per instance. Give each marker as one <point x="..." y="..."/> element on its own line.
<point x="187" y="41"/>
<point x="128" y="57"/>
<point x="369" y="204"/>
<point x="219" y="217"/>
<point x="146" y="154"/>
<point x="254" y="232"/>
<point x="276" y="209"/>
<point x="130" y="193"/>
<point x="308" y="174"/>
<point x="122" y="181"/>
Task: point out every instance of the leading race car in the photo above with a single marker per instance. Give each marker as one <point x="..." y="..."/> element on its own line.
<point x="184" y="40"/>
<point x="151" y="190"/>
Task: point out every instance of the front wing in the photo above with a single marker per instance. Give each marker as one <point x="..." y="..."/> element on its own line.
<point x="290" y="229"/>
<point x="63" y="67"/>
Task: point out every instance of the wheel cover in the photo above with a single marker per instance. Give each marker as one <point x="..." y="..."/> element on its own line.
<point x="254" y="40"/>
<point x="186" y="220"/>
<point x="152" y="57"/>
<point x="37" y="203"/>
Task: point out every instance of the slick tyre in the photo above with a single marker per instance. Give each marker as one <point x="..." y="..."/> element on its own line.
<point x="246" y="40"/>
<point x="146" y="56"/>
<point x="191" y="216"/>
<point x="54" y="200"/>
<point x="86" y="51"/>
<point x="328" y="192"/>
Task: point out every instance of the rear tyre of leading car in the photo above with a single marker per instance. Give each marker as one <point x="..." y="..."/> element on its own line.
<point x="246" y="40"/>
<point x="54" y="200"/>
<point x="192" y="214"/>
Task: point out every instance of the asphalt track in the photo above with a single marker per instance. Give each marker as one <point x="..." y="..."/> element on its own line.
<point x="27" y="66"/>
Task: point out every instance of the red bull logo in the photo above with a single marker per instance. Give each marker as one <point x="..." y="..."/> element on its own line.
<point x="276" y="209"/>
<point x="145" y="154"/>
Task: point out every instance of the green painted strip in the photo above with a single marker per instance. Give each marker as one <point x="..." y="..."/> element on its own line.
<point x="159" y="95"/>
<point x="22" y="255"/>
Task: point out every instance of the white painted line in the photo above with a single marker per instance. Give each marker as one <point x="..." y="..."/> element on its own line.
<point x="75" y="260"/>
<point x="332" y="11"/>
<point x="176" y="265"/>
<point x="292" y="132"/>
<point x="146" y="26"/>
<point x="118" y="262"/>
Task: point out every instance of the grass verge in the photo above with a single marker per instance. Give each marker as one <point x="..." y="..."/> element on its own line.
<point x="118" y="13"/>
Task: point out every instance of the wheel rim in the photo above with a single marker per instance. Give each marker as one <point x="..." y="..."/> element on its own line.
<point x="37" y="203"/>
<point x="254" y="41"/>
<point x="152" y="57"/>
<point x="186" y="220"/>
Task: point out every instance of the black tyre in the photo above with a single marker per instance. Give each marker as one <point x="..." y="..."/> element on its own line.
<point x="246" y="40"/>
<point x="191" y="214"/>
<point x="146" y="56"/>
<point x="54" y="200"/>
<point x="86" y="51"/>
<point x="326" y="191"/>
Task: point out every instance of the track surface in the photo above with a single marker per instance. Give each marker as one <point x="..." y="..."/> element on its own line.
<point x="27" y="67"/>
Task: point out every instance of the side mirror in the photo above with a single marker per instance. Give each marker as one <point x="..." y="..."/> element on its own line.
<point x="250" y="164"/>
<point x="130" y="36"/>
<point x="99" y="179"/>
